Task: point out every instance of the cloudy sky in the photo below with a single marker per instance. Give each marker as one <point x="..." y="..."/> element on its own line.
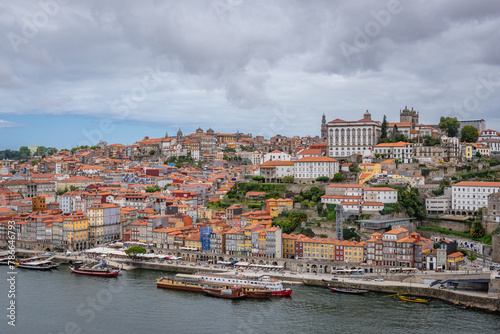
<point x="74" y="72"/>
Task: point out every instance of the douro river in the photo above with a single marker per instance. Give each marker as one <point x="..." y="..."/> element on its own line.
<point x="58" y="301"/>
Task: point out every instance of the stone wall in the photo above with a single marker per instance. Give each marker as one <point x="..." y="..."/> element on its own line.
<point x="446" y="224"/>
<point x="467" y="300"/>
<point x="490" y="226"/>
<point x="495" y="243"/>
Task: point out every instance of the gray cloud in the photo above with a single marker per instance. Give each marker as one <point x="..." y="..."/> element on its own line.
<point x="232" y="64"/>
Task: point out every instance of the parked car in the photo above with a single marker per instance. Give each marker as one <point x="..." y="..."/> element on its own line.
<point x="49" y="253"/>
<point x="380" y="279"/>
<point x="335" y="279"/>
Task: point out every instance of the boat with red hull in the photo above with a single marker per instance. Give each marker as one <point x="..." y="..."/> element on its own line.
<point x="275" y="285"/>
<point x="230" y="293"/>
<point x="195" y="283"/>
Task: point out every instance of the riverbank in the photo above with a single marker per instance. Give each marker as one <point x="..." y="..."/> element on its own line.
<point x="466" y="298"/>
<point x="391" y="284"/>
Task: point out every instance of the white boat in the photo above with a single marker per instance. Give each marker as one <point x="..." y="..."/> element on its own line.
<point x="275" y="285"/>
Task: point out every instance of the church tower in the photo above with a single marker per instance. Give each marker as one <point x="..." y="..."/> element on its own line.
<point x="179" y="136"/>
<point x="323" y="127"/>
<point x="409" y="116"/>
<point x="367" y="115"/>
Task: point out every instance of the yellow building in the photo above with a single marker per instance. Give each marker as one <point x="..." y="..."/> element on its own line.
<point x="454" y="260"/>
<point x="401" y="178"/>
<point x="193" y="241"/>
<point x="289" y="245"/>
<point x="368" y="170"/>
<point x="257" y="217"/>
<point x="75" y="230"/>
<point x="77" y="181"/>
<point x="276" y="206"/>
<point x="318" y="248"/>
<point x="353" y="251"/>
<point x="468" y="151"/>
<point x="104" y="223"/>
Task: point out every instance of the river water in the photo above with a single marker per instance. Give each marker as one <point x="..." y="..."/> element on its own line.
<point x="58" y="301"/>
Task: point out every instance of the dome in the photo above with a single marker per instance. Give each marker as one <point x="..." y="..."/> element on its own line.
<point x="367" y="115"/>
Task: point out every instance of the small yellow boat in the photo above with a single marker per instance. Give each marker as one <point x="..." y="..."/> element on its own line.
<point x="413" y="299"/>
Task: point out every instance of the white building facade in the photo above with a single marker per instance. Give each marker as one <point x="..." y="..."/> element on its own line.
<point x="346" y="138"/>
<point x="399" y="150"/>
<point x="469" y="196"/>
<point x="310" y="168"/>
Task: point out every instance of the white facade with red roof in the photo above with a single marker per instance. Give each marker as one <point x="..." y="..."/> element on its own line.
<point x="275" y="155"/>
<point x="472" y="195"/>
<point x="346" y="138"/>
<point x="310" y="168"/>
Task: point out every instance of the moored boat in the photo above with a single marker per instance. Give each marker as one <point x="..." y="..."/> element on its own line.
<point x="272" y="284"/>
<point x="34" y="267"/>
<point x="196" y="283"/>
<point x="97" y="270"/>
<point x="348" y="290"/>
<point x="412" y="299"/>
<point x="231" y="293"/>
<point x="31" y="263"/>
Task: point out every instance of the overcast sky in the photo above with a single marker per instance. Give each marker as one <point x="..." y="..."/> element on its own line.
<point x="74" y="72"/>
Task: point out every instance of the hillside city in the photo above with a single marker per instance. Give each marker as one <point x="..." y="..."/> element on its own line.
<point x="386" y="194"/>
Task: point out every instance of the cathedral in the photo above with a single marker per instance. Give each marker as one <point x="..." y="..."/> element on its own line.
<point x="409" y="116"/>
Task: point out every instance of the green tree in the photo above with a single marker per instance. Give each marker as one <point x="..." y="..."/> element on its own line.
<point x="308" y="232"/>
<point x="477" y="229"/>
<point x="288" y="179"/>
<point x="469" y="134"/>
<point x="152" y="152"/>
<point x="471" y="256"/>
<point x="41" y="150"/>
<point x="383" y="132"/>
<point x="480" y="212"/>
<point x="337" y="177"/>
<point x="73" y="188"/>
<point x="431" y="141"/>
<point x="61" y="191"/>
<point x="286" y="226"/>
<point x="152" y="189"/>
<point x="478" y="154"/>
<point x="395" y="133"/>
<point x="134" y="250"/>
<point x="322" y="179"/>
<point x="258" y="178"/>
<point x="450" y="125"/>
<point x="24" y="152"/>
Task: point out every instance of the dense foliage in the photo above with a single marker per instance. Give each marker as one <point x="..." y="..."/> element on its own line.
<point x="469" y="134"/>
<point x="477" y="230"/>
<point x="450" y="125"/>
<point x="134" y="250"/>
<point x="431" y="141"/>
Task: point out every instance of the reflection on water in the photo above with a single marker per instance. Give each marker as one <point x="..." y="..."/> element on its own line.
<point x="59" y="301"/>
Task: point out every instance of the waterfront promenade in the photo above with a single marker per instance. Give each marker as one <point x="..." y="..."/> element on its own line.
<point x="392" y="283"/>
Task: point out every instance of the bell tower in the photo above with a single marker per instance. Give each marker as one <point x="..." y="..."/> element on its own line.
<point x="323" y="127"/>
